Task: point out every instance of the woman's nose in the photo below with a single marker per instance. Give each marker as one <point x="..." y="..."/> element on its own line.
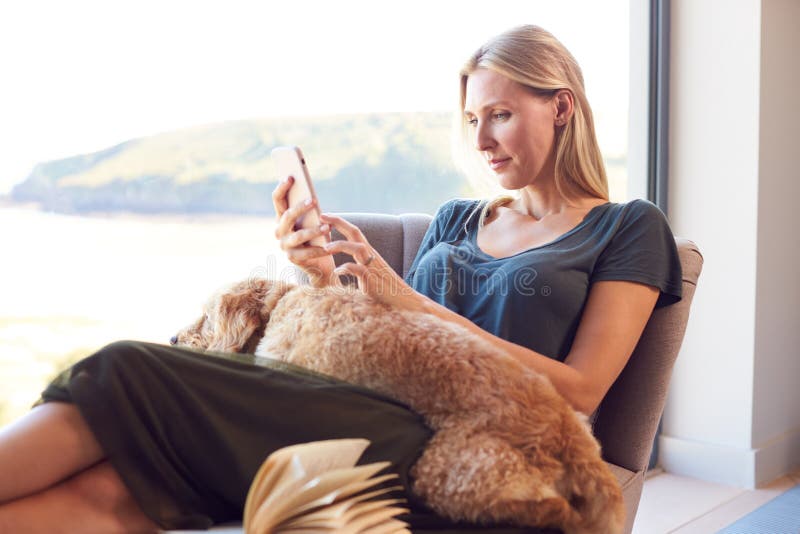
<point x="483" y="138"/>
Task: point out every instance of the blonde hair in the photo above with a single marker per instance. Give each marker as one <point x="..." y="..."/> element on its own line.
<point x="534" y="58"/>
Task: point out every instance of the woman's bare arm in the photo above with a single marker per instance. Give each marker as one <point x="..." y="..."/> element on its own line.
<point x="612" y="322"/>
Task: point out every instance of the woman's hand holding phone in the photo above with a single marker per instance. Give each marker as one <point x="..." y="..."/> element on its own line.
<point x="316" y="261"/>
<point x="304" y="234"/>
<point x="299" y="229"/>
<point x="375" y="276"/>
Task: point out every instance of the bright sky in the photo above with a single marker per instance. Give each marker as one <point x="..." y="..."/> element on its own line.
<point x="82" y="75"/>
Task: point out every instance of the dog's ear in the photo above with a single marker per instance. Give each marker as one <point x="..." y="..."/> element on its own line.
<point x="273" y="293"/>
<point x="239" y="318"/>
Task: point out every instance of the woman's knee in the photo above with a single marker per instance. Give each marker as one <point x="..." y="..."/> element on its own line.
<point x="125" y="346"/>
<point x="126" y="353"/>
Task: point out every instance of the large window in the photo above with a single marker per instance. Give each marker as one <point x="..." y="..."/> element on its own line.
<point x="137" y="137"/>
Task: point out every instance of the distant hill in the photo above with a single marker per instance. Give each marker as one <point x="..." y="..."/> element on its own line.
<point x="388" y="163"/>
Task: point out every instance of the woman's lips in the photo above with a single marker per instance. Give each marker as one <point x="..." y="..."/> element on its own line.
<point x="498" y="163"/>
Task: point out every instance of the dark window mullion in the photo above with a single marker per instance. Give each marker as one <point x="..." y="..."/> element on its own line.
<point x="658" y="123"/>
<point x="659" y="104"/>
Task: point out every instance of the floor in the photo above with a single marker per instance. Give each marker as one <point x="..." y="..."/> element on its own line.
<point x="673" y="504"/>
<point x="681" y="505"/>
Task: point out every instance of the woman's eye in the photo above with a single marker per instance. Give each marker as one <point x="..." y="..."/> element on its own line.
<point x="499" y="116"/>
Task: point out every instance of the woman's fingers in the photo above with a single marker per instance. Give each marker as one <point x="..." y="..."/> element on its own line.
<point x="315" y="261"/>
<point x="375" y="277"/>
<point x="350" y="231"/>
<point x="288" y="219"/>
<point x="353" y="269"/>
<point x="354" y="243"/>
<point x="300" y="237"/>
<point x="301" y="255"/>
<point x="361" y="252"/>
<point x="287" y="215"/>
<point x="382" y="283"/>
<point x="279" y="201"/>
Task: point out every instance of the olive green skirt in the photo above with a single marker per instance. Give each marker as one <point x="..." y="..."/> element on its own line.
<point x="187" y="431"/>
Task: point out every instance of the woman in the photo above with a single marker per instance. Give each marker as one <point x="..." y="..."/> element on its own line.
<point x="140" y="435"/>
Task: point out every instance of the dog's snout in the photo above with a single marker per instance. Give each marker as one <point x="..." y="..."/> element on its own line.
<point x="173" y="340"/>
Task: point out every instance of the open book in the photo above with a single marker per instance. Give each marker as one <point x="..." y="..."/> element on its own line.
<point x="316" y="487"/>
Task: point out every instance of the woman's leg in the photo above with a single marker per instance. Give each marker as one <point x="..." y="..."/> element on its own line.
<point x="93" y="501"/>
<point x="162" y="412"/>
<point x="49" y="444"/>
<point x="46" y="486"/>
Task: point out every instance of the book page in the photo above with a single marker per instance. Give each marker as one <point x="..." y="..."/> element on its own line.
<point x="316" y="488"/>
<point x="319" y="491"/>
<point x="340" y="514"/>
<point x="290" y="467"/>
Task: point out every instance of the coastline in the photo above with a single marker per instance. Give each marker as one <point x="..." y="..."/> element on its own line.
<point x="10" y="206"/>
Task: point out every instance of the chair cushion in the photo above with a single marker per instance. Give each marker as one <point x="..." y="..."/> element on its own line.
<point x="632" y="484"/>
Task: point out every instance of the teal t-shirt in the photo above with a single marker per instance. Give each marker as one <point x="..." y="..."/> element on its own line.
<point x="535" y="298"/>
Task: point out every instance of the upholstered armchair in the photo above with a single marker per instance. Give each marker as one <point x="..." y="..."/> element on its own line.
<point x="627" y="420"/>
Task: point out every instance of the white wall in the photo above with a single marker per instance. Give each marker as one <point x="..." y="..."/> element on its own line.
<point x="776" y="395"/>
<point x="713" y="170"/>
<point x="732" y="414"/>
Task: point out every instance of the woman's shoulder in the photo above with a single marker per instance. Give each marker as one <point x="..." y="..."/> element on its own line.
<point x="455" y="213"/>
<point x="633" y="209"/>
<point x="638" y="245"/>
<point x="616" y="216"/>
<point x="458" y="207"/>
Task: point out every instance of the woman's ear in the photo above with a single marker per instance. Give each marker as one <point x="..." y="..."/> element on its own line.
<point x="565" y="106"/>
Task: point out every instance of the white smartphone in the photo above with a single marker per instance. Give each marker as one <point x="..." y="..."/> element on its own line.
<point x="289" y="161"/>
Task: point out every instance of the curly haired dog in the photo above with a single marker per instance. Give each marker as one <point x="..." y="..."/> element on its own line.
<point x="506" y="447"/>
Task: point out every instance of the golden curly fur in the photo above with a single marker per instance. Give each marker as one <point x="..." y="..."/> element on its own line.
<point x="507" y="447"/>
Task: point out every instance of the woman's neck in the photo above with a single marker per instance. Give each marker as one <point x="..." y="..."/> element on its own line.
<point x="545" y="202"/>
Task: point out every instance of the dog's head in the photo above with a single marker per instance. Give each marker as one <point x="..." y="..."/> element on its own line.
<point x="234" y="318"/>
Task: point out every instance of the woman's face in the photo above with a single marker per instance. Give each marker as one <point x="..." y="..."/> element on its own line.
<point x="512" y="128"/>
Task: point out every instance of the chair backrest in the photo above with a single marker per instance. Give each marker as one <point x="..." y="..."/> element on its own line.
<point x="627" y="419"/>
